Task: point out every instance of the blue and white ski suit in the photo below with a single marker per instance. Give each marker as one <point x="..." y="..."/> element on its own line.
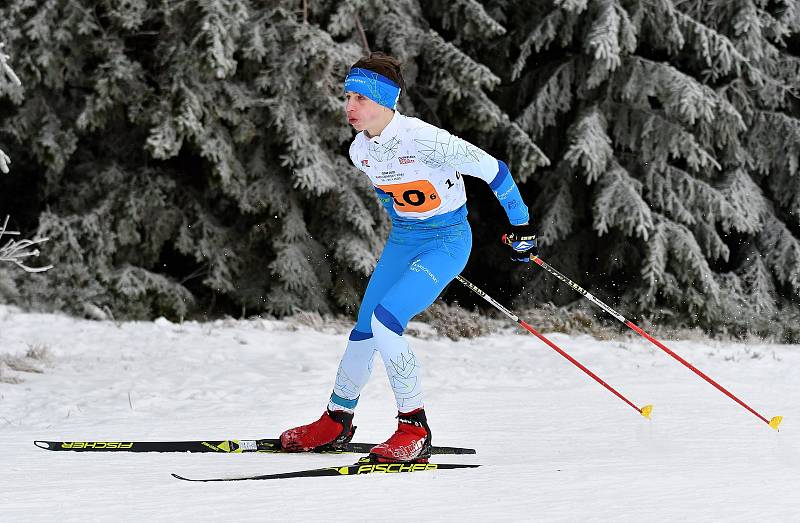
<point x="417" y="170"/>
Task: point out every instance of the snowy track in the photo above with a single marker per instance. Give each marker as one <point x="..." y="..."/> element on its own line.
<point x="555" y="446"/>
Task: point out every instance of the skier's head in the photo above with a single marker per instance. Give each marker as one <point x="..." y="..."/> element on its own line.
<point x="372" y="88"/>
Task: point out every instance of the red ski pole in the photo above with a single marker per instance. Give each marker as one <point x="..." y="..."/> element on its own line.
<point x="644" y="411"/>
<point x="774" y="422"/>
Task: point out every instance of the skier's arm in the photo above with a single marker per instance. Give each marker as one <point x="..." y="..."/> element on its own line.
<point x="437" y="147"/>
<point x="509" y="196"/>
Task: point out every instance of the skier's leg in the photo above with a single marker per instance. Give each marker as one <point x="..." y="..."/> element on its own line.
<point x="354" y="371"/>
<point x="419" y="286"/>
<point x="391" y="265"/>
<point x="440" y="261"/>
<point x="356" y="364"/>
<point x="335" y="426"/>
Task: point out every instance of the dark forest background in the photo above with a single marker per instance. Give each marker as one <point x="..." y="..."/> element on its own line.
<point x="189" y="159"/>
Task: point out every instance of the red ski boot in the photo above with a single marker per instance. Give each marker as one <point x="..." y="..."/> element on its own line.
<point x="334" y="428"/>
<point x="410" y="443"/>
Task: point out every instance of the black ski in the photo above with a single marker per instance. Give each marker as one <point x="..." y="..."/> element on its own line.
<point x="227" y="446"/>
<point x="364" y="466"/>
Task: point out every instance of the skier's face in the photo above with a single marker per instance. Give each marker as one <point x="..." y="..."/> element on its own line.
<point x="363" y="113"/>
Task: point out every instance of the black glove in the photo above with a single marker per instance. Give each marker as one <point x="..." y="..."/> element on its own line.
<point x="522" y="240"/>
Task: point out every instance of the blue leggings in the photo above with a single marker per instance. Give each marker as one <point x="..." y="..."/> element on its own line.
<point x="418" y="261"/>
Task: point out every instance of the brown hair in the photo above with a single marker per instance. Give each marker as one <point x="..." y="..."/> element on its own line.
<point x="384" y="64"/>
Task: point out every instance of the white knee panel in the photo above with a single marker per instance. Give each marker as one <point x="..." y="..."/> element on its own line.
<point x="402" y="367"/>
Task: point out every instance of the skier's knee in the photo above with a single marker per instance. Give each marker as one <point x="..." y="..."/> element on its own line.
<point x="382" y="318"/>
<point x="356" y="335"/>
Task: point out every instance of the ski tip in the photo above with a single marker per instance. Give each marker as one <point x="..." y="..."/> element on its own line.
<point x="774" y="422"/>
<point x="42" y="444"/>
<point x="180" y="477"/>
<point x="646" y="411"/>
<point x="176" y="476"/>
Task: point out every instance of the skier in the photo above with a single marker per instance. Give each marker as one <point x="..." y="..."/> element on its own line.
<point x="417" y="171"/>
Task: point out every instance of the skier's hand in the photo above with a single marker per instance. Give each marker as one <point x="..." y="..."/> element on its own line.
<point x="522" y="240"/>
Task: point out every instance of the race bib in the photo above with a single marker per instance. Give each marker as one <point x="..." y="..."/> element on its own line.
<point x="416" y="196"/>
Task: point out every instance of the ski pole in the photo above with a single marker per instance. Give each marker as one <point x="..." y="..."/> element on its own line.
<point x="774" y="422"/>
<point x="644" y="411"/>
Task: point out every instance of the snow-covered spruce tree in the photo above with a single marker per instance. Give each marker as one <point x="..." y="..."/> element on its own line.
<point x="12" y="251"/>
<point x="198" y="150"/>
<point x="190" y="151"/>
<point x="674" y="130"/>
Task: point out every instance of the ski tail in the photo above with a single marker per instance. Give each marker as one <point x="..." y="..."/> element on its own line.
<point x="268" y="445"/>
<point x="222" y="446"/>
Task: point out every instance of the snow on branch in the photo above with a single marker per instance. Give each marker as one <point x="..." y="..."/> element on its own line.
<point x="16" y="251"/>
<point x="4" y="161"/>
<point x="6" y="70"/>
<point x="6" y="75"/>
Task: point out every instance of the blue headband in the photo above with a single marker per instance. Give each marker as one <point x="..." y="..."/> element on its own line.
<point x="374" y="86"/>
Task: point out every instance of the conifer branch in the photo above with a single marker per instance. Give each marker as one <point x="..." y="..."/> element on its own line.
<point x="575" y="6"/>
<point x="555" y="23"/>
<point x="16" y="251"/>
<point x="4" y="162"/>
<point x="590" y="147"/>
<point x="619" y="203"/>
<point x="554" y="97"/>
<point x="471" y="17"/>
<point x="6" y="75"/>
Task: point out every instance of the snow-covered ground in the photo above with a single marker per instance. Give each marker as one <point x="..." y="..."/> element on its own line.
<point x="554" y="445"/>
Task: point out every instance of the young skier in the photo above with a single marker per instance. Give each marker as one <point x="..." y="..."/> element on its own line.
<point x="417" y="170"/>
